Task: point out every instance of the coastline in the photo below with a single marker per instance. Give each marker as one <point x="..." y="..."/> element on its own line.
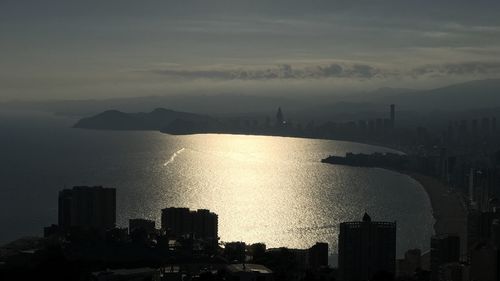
<point x="447" y="207"/>
<point x="448" y="210"/>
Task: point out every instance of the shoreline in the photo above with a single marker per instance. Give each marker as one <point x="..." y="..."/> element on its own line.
<point x="448" y="209"/>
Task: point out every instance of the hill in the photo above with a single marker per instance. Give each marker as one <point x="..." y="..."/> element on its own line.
<point x="456" y="97"/>
<point x="159" y="119"/>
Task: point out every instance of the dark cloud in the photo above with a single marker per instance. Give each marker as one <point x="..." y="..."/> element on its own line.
<point x="283" y="71"/>
<point x="88" y="43"/>
<point x="465" y="68"/>
<point x="334" y="70"/>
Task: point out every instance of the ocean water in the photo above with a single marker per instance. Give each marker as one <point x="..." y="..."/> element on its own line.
<point x="265" y="189"/>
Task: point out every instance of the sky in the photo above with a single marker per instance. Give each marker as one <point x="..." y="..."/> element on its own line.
<point x="66" y="49"/>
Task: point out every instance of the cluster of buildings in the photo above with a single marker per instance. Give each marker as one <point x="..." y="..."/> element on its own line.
<point x="379" y="128"/>
<point x="186" y="247"/>
<point x="367" y="251"/>
<point x="465" y="157"/>
<point x="281" y="125"/>
<point x="374" y="130"/>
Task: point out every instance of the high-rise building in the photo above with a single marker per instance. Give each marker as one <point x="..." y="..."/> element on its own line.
<point x="479" y="227"/>
<point x="410" y="264"/>
<point x="474" y="126"/>
<point x="454" y="271"/>
<point x="87" y="207"/>
<point x="485" y="263"/>
<point x="485" y="125"/>
<point x="463" y="130"/>
<point x="445" y="249"/>
<point x="181" y="221"/>
<point x="495" y="233"/>
<point x="280" y="119"/>
<point x="387" y="123"/>
<point x="366" y="248"/>
<point x="393" y="116"/>
<point x="176" y="221"/>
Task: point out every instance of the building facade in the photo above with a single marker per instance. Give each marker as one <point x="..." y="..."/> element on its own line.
<point x="445" y="249"/>
<point x="318" y="255"/>
<point x="177" y="222"/>
<point x="87" y="207"/>
<point x="148" y="226"/>
<point x="366" y="248"/>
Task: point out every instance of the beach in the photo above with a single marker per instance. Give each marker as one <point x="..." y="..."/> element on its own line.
<point x="447" y="208"/>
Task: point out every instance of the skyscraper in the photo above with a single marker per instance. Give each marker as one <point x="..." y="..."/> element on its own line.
<point x="485" y="263"/>
<point x="87" y="207"/>
<point x="485" y="125"/>
<point x="444" y="249"/>
<point x="280" y="119"/>
<point x="393" y="116"/>
<point x="366" y="248"/>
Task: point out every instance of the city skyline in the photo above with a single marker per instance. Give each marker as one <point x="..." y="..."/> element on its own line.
<point x="243" y="140"/>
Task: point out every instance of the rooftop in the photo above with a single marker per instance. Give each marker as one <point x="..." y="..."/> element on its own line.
<point x="124" y="271"/>
<point x="248" y="267"/>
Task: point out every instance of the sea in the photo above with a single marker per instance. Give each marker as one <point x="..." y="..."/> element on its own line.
<point x="273" y="190"/>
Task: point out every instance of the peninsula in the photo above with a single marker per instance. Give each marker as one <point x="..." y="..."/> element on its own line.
<point x="386" y="160"/>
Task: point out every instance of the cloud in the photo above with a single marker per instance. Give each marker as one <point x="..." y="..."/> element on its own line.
<point x="282" y="71"/>
<point x="355" y="71"/>
<point x="452" y="69"/>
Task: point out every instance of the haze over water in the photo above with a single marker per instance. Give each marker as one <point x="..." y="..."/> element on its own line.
<point x="264" y="189"/>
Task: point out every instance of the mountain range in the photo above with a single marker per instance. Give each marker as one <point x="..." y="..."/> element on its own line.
<point x="473" y="95"/>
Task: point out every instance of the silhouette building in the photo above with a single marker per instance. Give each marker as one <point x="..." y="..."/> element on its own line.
<point x="480" y="227"/>
<point x="247" y="271"/>
<point x="366" y="248"/>
<point x="87" y="207"/>
<point x="410" y="264"/>
<point x="445" y="249"/>
<point x="318" y="255"/>
<point x="485" y="125"/>
<point x="485" y="263"/>
<point x="393" y="116"/>
<point x="147" y="226"/>
<point x="178" y="222"/>
<point x="280" y="119"/>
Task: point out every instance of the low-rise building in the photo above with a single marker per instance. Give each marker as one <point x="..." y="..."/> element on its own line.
<point x="248" y="272"/>
<point x="136" y="274"/>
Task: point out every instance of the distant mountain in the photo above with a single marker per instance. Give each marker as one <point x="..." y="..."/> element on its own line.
<point x="471" y="95"/>
<point x="204" y="104"/>
<point x="388" y="91"/>
<point x="472" y="100"/>
<point x="457" y="97"/>
<point x="159" y="119"/>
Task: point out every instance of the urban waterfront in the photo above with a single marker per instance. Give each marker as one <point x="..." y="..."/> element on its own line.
<point x="264" y="189"/>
